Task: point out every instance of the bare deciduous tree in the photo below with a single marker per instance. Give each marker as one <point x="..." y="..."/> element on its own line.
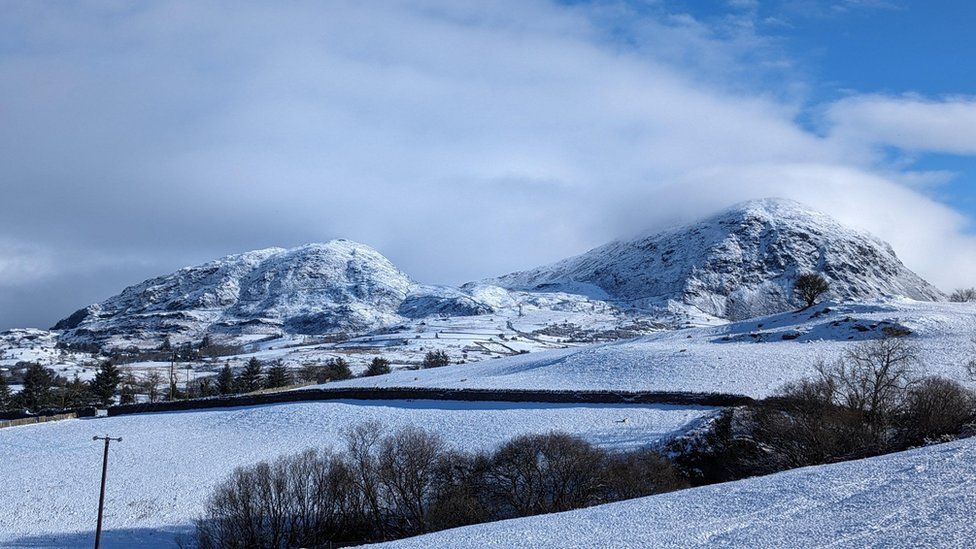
<point x="872" y="378"/>
<point x="963" y="295"/>
<point x="809" y="287"/>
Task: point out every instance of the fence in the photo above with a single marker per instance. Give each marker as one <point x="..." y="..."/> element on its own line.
<point x="30" y="420"/>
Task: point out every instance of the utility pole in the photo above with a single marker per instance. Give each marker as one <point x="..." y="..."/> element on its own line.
<point x="101" y="496"/>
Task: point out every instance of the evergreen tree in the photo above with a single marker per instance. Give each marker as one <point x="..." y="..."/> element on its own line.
<point x="436" y="359"/>
<point x="6" y="397"/>
<point x="36" y="393"/>
<point x="278" y="376"/>
<point x="106" y="381"/>
<point x="378" y="366"/>
<point x="225" y="381"/>
<point x="250" y="378"/>
<point x="77" y="394"/>
<point x="337" y="369"/>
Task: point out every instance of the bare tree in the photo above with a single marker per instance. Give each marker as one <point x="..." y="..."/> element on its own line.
<point x="151" y="382"/>
<point x="963" y="295"/>
<point x="407" y="465"/>
<point x="872" y="378"/>
<point x="809" y="287"/>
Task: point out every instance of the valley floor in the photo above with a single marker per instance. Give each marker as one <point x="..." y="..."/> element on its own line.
<point x="919" y="498"/>
<point x="162" y="472"/>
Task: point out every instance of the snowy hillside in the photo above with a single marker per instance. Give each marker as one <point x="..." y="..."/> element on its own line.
<point x="319" y="288"/>
<point x="751" y="357"/>
<point x="163" y="470"/>
<point x="919" y="498"/>
<point x="738" y="264"/>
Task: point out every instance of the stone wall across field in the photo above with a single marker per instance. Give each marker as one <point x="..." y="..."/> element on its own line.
<point x="419" y="393"/>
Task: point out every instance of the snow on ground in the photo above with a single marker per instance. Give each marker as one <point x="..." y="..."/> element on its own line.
<point x="751" y="357"/>
<point x="919" y="498"/>
<point x="31" y="345"/>
<point x="163" y="470"/>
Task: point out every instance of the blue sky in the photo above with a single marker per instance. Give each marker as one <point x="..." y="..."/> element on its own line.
<point x="889" y="47"/>
<point x="465" y="139"/>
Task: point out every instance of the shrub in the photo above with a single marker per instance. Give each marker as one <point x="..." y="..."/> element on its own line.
<point x="936" y="407"/>
<point x="436" y="359"/>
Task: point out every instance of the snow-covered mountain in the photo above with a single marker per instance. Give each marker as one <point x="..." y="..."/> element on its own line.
<point x="315" y="289"/>
<point x="737" y="264"/>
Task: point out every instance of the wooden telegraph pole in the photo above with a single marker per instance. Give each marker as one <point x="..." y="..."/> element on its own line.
<point x="101" y="496"/>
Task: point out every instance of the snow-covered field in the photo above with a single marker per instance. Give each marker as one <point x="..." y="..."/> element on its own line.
<point x="163" y="470"/>
<point x="751" y="357"/>
<point x="919" y="498"/>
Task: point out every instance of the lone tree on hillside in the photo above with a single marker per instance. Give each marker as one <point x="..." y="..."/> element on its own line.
<point x="809" y="287"/>
<point x="436" y="359"/>
<point x="377" y="367"/>
<point x="963" y="295"/>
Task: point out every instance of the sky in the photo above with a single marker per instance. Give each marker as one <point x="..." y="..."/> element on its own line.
<point x="465" y="139"/>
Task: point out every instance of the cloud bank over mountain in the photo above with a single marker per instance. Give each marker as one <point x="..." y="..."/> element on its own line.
<point x="460" y="141"/>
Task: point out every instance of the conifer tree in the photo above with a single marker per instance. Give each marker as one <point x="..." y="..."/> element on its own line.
<point x="106" y="382"/>
<point x="250" y="378"/>
<point x="225" y="381"/>
<point x="6" y="396"/>
<point x="378" y="366"/>
<point x="278" y="376"/>
<point x="36" y="393"/>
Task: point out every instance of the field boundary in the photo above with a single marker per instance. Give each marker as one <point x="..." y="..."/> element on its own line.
<point x="427" y="393"/>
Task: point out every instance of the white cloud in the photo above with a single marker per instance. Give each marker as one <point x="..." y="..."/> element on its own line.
<point x="462" y="140"/>
<point x="909" y="122"/>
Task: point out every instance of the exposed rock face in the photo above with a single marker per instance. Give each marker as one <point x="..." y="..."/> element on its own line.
<point x="737" y="264"/>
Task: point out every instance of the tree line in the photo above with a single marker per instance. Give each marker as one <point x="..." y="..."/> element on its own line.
<point x="389" y="485"/>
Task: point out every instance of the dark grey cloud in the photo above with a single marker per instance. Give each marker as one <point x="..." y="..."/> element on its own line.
<point x="460" y="140"/>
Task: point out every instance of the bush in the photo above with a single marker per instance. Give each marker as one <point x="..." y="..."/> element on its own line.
<point x="436" y="359"/>
<point x="936" y="407"/>
<point x="377" y="367"/>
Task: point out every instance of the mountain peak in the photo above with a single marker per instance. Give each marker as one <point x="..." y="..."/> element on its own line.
<point x="738" y="263"/>
<point x="315" y="288"/>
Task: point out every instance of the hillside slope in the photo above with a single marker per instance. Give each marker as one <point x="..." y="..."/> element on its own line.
<point x="752" y="357"/>
<point x="737" y="264"/>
